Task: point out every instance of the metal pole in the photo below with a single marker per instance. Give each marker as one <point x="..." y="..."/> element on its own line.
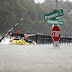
<point x="56" y="4"/>
<point x="56" y="44"/>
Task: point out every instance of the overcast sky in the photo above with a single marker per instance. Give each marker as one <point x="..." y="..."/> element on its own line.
<point x="43" y="1"/>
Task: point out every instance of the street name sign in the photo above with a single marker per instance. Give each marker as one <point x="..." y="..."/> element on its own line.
<point x="55" y="21"/>
<point x="54" y="14"/>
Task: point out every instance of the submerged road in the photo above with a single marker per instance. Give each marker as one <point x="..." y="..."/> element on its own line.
<point x="35" y="58"/>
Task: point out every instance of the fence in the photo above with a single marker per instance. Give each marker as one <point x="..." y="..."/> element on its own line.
<point x="46" y="39"/>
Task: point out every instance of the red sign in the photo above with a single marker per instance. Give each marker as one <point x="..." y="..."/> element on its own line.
<point x="56" y="33"/>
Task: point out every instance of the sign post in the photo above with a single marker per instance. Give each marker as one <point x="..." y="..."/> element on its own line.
<point x="51" y="19"/>
<point x="56" y="34"/>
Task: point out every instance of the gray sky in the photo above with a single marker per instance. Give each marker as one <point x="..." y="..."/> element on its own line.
<point x="43" y="1"/>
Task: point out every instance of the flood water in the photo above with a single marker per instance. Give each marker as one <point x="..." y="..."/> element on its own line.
<point x="35" y="58"/>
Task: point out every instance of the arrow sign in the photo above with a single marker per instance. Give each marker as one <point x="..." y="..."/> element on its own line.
<point x="55" y="21"/>
<point x="54" y="14"/>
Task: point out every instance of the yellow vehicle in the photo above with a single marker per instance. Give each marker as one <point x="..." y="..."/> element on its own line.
<point x="19" y="42"/>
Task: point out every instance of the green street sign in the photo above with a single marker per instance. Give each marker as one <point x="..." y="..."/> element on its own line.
<point x="54" y="14"/>
<point x="55" y="21"/>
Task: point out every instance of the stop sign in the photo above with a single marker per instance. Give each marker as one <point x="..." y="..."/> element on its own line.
<point x="56" y="33"/>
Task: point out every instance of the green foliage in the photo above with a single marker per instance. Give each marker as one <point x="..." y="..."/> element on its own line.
<point x="11" y="11"/>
